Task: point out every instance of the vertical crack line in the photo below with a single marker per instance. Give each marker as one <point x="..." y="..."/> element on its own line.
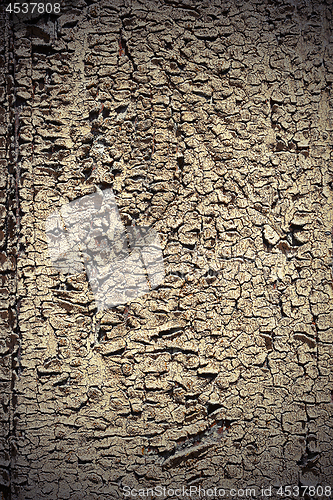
<point x="13" y="236"/>
<point x="13" y="375"/>
<point x="6" y="489"/>
<point x="17" y="174"/>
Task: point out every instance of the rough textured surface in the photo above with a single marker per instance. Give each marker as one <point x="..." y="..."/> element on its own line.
<point x="212" y="122"/>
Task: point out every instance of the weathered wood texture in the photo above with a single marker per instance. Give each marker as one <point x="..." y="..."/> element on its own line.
<point x="213" y="122"/>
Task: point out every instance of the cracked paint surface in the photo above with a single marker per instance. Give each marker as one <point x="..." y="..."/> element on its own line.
<point x="212" y="123"/>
